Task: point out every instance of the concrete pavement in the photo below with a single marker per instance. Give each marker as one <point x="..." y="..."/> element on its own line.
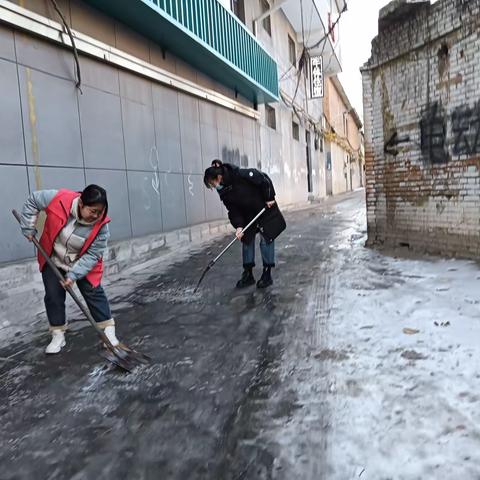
<point x="312" y="379"/>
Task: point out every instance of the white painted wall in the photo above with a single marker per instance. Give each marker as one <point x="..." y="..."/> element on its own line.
<point x="225" y="3"/>
<point x="281" y="156"/>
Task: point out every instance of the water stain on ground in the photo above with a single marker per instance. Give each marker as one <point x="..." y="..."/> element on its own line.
<point x="413" y="355"/>
<point x="332" y="355"/>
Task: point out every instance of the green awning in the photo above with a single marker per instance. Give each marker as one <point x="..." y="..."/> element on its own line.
<point x="207" y="36"/>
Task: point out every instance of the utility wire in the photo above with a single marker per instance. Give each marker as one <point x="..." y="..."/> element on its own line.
<point x="303" y="62"/>
<point x="309" y="33"/>
<point x="78" y="82"/>
<point x="330" y="29"/>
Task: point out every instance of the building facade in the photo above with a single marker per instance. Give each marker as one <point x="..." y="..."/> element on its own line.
<point x="291" y="129"/>
<point x="422" y="124"/>
<point x="151" y="93"/>
<point x="343" y="141"/>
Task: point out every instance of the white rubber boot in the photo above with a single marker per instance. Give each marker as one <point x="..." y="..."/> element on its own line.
<point x="57" y="342"/>
<point x="110" y="334"/>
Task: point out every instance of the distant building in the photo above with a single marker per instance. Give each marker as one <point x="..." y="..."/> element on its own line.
<point x="343" y="141"/>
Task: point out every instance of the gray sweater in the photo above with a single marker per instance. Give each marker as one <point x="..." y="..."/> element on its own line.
<point x="69" y="243"/>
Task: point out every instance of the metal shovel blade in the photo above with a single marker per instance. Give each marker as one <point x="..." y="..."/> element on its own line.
<point x="119" y="362"/>
<point x="124" y="357"/>
<point x="133" y="354"/>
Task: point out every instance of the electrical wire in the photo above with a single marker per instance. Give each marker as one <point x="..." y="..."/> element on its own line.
<point x="78" y="82"/>
<point x="305" y="52"/>
<point x="330" y="29"/>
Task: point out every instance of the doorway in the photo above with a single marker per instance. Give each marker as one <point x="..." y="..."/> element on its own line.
<point x="309" y="161"/>
<point x="328" y="172"/>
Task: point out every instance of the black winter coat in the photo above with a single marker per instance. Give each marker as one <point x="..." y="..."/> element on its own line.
<point x="245" y="192"/>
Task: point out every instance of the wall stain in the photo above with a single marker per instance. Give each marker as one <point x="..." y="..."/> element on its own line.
<point x="32" y="116"/>
<point x="389" y="131"/>
<point x="389" y="128"/>
<point x="443" y="60"/>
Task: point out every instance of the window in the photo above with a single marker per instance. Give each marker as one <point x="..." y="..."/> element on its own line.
<point x="270" y="115"/>
<point x="267" y="22"/>
<point x="295" y="130"/>
<point x="329" y="161"/>
<point x="292" y="53"/>
<point x="238" y="8"/>
<point x="324" y="123"/>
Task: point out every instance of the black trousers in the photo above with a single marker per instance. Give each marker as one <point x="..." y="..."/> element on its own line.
<point x="55" y="295"/>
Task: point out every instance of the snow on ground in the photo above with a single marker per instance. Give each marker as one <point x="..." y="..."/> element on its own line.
<point x="389" y="383"/>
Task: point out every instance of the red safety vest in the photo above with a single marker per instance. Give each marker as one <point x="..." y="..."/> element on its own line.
<point x="58" y="212"/>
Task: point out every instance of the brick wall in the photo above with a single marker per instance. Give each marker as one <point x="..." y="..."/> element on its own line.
<point x="422" y="127"/>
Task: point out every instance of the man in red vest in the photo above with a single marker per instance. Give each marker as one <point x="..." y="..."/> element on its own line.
<point x="75" y="236"/>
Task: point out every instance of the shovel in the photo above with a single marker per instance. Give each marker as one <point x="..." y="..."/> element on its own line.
<point x="120" y="355"/>
<point x="220" y="255"/>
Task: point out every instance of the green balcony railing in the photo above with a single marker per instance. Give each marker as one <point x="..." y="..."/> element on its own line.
<point x="206" y="35"/>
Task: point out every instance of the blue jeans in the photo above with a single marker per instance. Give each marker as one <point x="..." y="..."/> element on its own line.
<point x="267" y="250"/>
<point x="55" y="294"/>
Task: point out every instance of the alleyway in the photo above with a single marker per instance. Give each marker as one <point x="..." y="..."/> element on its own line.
<point x="355" y="365"/>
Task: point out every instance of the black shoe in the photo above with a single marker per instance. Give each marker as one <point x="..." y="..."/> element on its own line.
<point x="247" y="279"/>
<point x="266" y="279"/>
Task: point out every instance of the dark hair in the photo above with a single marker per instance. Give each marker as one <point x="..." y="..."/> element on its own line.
<point x="211" y="173"/>
<point x="93" y="195"/>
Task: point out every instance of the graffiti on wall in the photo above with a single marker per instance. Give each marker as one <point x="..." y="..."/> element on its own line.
<point x="433" y="134"/>
<point x="233" y="157"/>
<point x="152" y="180"/>
<point x="465" y="132"/>
<point x="190" y="186"/>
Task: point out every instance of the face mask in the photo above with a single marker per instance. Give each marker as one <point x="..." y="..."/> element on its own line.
<point x="218" y="187"/>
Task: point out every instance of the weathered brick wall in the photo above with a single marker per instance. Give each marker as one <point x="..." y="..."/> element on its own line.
<point x="422" y="127"/>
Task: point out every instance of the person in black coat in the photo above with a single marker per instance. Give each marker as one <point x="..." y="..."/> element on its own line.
<point x="245" y="192"/>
